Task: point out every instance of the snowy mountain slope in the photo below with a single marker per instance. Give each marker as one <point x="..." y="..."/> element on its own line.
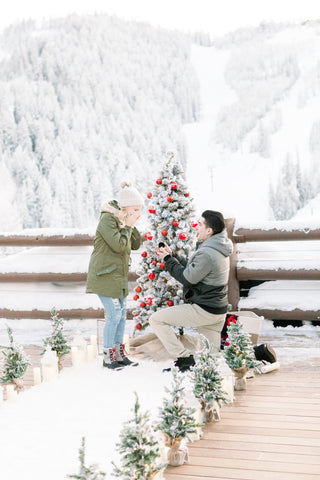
<point x="258" y="126"/>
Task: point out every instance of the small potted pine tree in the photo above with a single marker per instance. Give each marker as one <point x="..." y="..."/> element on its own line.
<point x="207" y="382"/>
<point x="57" y="341"/>
<point x="239" y="353"/>
<point x="87" y="473"/>
<point x="176" y="421"/>
<point x="139" y="449"/>
<point x="15" y="363"/>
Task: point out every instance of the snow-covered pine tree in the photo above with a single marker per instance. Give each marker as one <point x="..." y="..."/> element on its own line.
<point x="138" y="447"/>
<point x="87" y="473"/>
<point x="57" y="340"/>
<point x="207" y="380"/>
<point x="176" y="420"/>
<point x="238" y="350"/>
<point x="170" y="218"/>
<point x="15" y="363"/>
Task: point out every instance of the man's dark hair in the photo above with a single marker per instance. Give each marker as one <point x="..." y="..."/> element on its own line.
<point x="214" y="220"/>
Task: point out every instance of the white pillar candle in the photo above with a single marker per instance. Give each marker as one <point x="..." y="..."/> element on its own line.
<point x="126" y="341"/>
<point x="49" y="373"/>
<point x="36" y="376"/>
<point x="1" y="395"/>
<point x="11" y="393"/>
<point x="91" y="349"/>
<point x="76" y="359"/>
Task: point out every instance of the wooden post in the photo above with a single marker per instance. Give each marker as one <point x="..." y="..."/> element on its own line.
<point x="233" y="284"/>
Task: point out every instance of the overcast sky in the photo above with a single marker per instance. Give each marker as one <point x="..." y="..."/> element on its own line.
<point x="213" y="16"/>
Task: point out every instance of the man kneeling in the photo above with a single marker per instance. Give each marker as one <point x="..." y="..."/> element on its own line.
<point x="205" y="289"/>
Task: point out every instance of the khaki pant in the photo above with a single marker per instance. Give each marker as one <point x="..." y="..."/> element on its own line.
<point x="186" y="315"/>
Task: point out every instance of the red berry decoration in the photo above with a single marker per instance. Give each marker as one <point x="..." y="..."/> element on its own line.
<point x="144" y="254"/>
<point x="182" y="236"/>
<point x="187" y="194"/>
<point x="194" y="224"/>
<point x="138" y="326"/>
<point x="135" y="297"/>
<point x="149" y="301"/>
<point x="151" y="275"/>
<point x="152" y="210"/>
<point x="159" y="181"/>
<point x="145" y="235"/>
<point x="138" y="289"/>
<point x="154" y="262"/>
<point x="149" y="236"/>
<point x="136" y="315"/>
<point x="164" y="232"/>
<point x="174" y="186"/>
<point x="162" y="265"/>
<point x="149" y="195"/>
<point x="170" y="198"/>
<point x="142" y="304"/>
<point x="175" y="223"/>
<point x="170" y="303"/>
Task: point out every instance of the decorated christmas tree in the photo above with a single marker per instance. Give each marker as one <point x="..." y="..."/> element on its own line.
<point x="15" y="363"/>
<point x="57" y="341"/>
<point x="87" y="473"/>
<point x="207" y="381"/>
<point x="238" y="348"/>
<point x="171" y="221"/>
<point x="139" y="449"/>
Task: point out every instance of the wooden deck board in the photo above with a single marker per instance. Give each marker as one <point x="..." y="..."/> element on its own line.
<point x="271" y="431"/>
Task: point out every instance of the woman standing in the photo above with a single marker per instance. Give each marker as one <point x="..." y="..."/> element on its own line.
<point x="108" y="271"/>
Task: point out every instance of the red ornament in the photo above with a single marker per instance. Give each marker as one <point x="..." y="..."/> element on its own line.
<point x="151" y="275"/>
<point x="194" y="224"/>
<point x="138" y="289"/>
<point x="175" y="223"/>
<point x="170" y="198"/>
<point x="170" y="303"/>
<point x="138" y="326"/>
<point x="135" y="297"/>
<point x="152" y="210"/>
<point x="174" y="186"/>
<point x="182" y="236"/>
<point x="162" y="265"/>
<point x="149" y="236"/>
<point x="144" y="254"/>
<point x="149" y="301"/>
<point x="164" y="232"/>
<point x="142" y="304"/>
<point x="145" y="235"/>
<point x="149" y="195"/>
<point x="136" y="315"/>
<point x="154" y="262"/>
<point x="159" y="181"/>
<point x="187" y="194"/>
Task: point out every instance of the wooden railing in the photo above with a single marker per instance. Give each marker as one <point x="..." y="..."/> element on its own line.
<point x="238" y="273"/>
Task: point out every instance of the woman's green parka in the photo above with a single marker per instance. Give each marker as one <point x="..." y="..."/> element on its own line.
<point x="109" y="262"/>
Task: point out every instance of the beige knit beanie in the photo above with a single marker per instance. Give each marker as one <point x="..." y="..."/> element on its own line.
<point x="129" y="196"/>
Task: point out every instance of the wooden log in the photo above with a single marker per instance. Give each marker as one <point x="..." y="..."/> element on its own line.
<point x="67" y="314"/>
<point x="17" y="277"/>
<point x="233" y="283"/>
<point x="244" y="274"/>
<point x="296" y="314"/>
<point x="46" y="240"/>
<point x="241" y="235"/>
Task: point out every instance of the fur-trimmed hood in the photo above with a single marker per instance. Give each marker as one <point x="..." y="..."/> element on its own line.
<point x="112" y="206"/>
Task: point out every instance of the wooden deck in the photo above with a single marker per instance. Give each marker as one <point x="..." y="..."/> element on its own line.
<point x="270" y="432"/>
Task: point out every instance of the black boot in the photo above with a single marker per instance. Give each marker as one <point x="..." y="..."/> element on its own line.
<point x="185" y="363"/>
<point x="265" y="352"/>
<point x="122" y="358"/>
<point x="110" y="359"/>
